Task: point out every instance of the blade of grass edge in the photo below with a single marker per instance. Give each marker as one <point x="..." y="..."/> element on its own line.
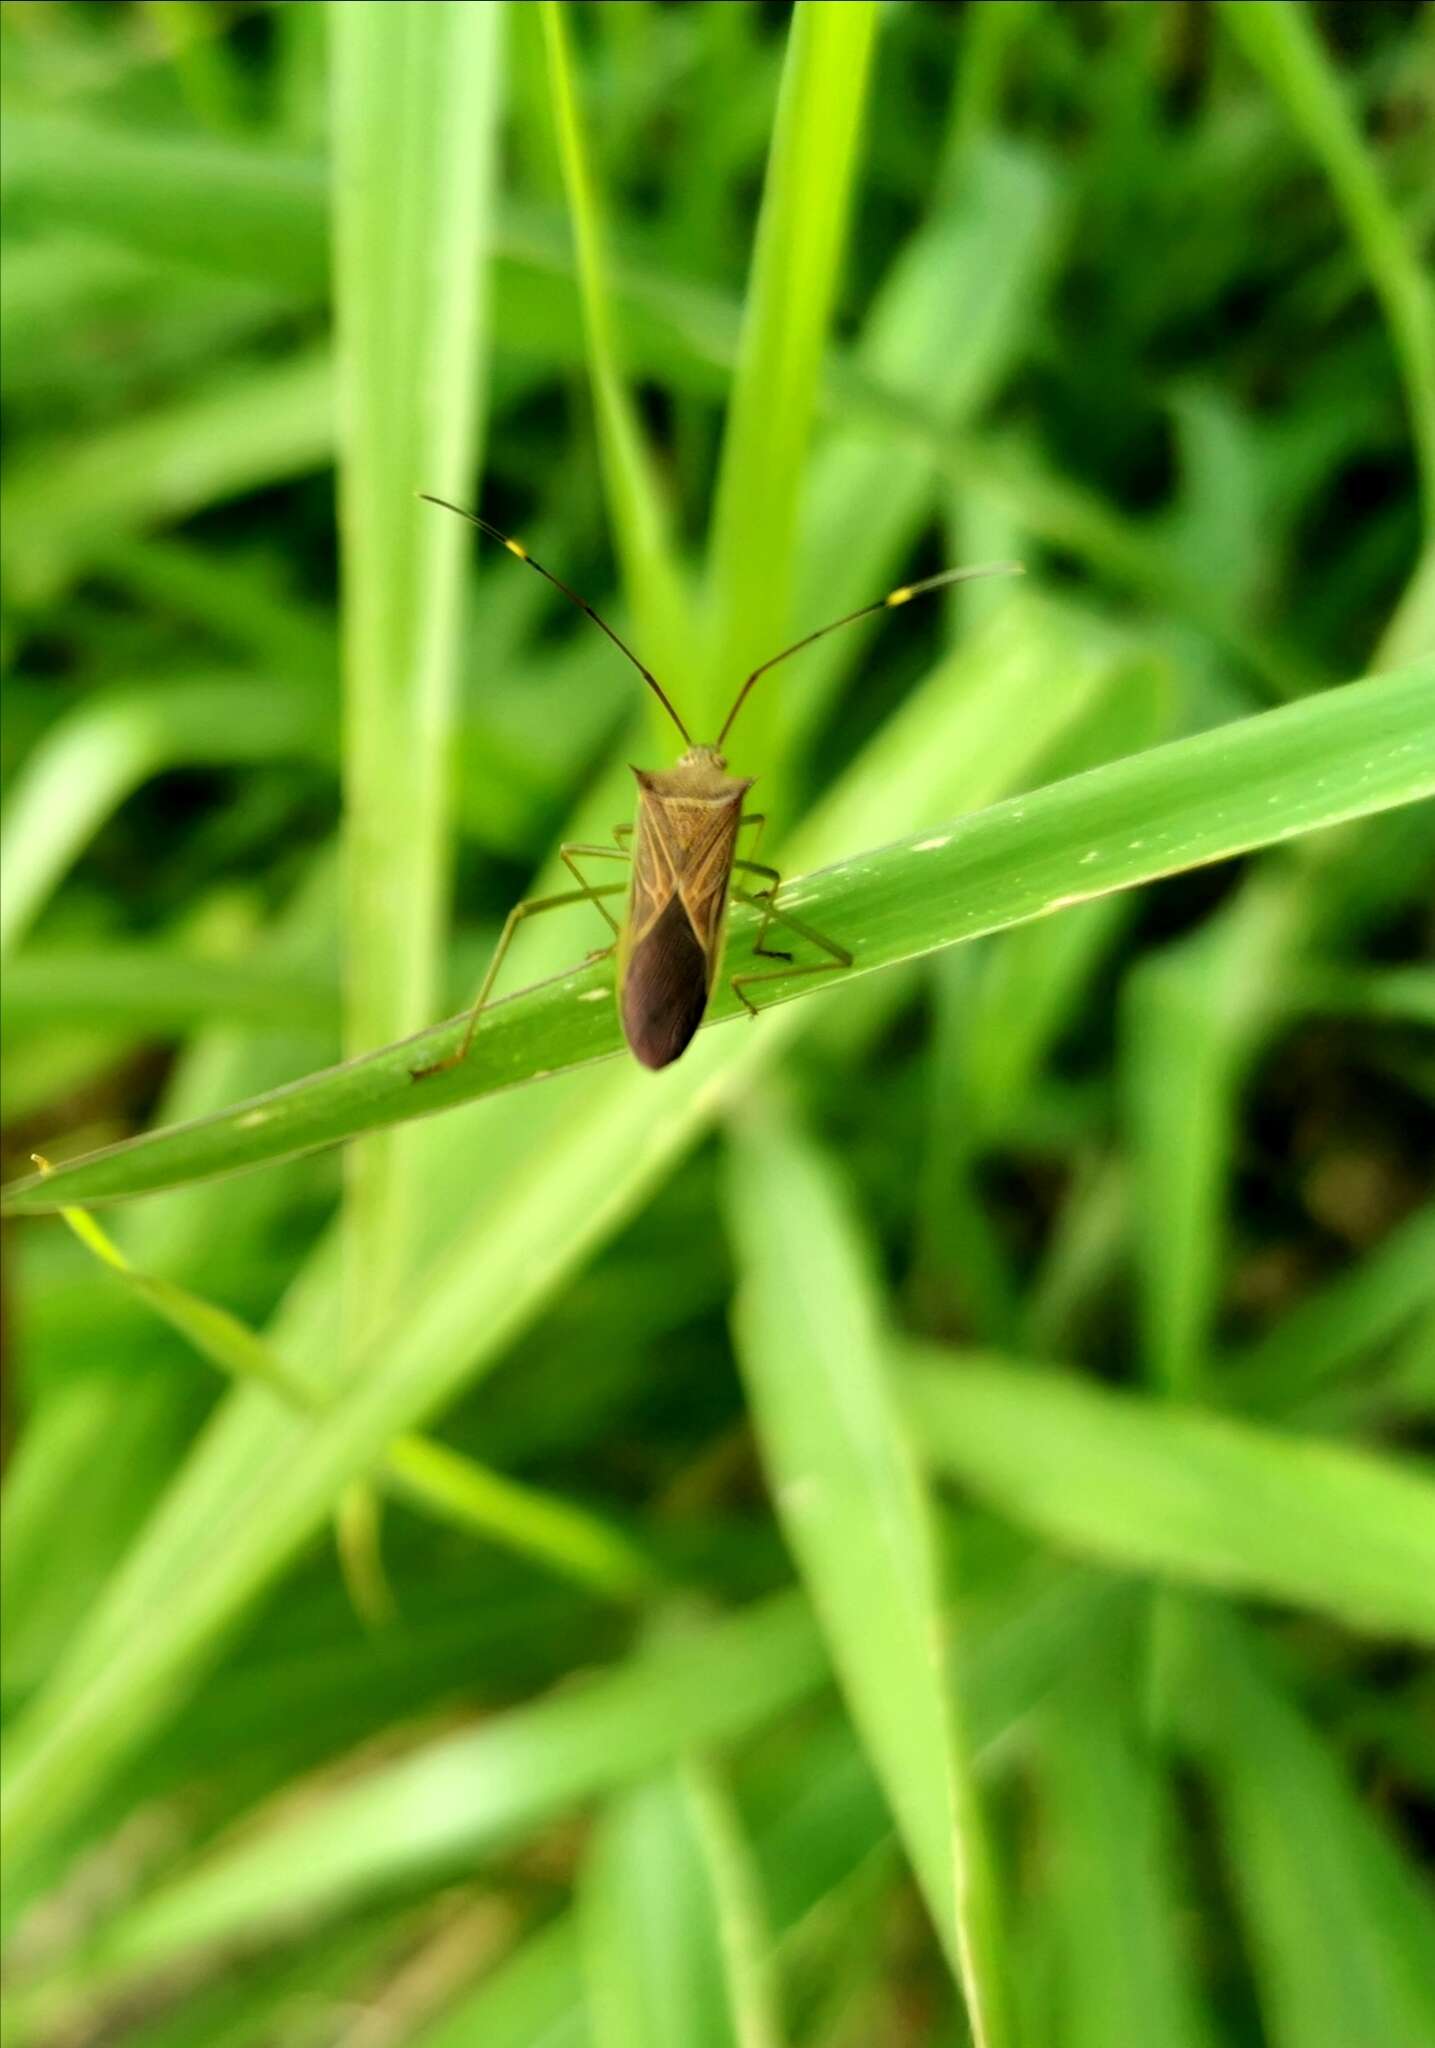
<point x="414" y="105"/>
<point x="435" y="1478"/>
<point x="640" y="523"/>
<point x="847" y="1492"/>
<point x="801" y="237"/>
<point x="1180" y="1493"/>
<point x="1281" y="41"/>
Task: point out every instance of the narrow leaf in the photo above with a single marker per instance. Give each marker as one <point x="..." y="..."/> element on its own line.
<point x="1339" y="1924"/>
<point x="1252" y="783"/>
<point x="846" y="1489"/>
<point x="639" y="517"/>
<point x="414" y="111"/>
<point x="1187" y="1495"/>
<point x="801" y="235"/>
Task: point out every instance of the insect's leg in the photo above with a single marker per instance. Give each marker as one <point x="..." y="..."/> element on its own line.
<point x="839" y="955"/>
<point x="742" y="982"/>
<point x="758" y="818"/>
<point x="531" y="908"/>
<point x="768" y="899"/>
<point x="622" y="832"/>
<point x="569" y="851"/>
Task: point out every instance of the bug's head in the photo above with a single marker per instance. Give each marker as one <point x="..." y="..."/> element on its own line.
<point x="704" y="757"/>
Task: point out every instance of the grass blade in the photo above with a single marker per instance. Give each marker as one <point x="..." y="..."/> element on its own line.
<point x="640" y="523"/>
<point x="475" y="1791"/>
<point x="434" y="1478"/>
<point x="801" y="236"/>
<point x="1252" y="783"/>
<point x="601" y="1157"/>
<point x="1186" y="1495"/>
<point x="1339" y="1327"/>
<point x="1192" y="1018"/>
<point x="846" y="1489"/>
<point x="1114" y="1894"/>
<point x="657" y="1971"/>
<point x="101" y="752"/>
<point x="1280" y="39"/>
<point x="255" y="213"/>
<point x="535" y="1203"/>
<point x="63" y="503"/>
<point x="450" y="1801"/>
<point x="415" y="109"/>
<point x="1340" y="1928"/>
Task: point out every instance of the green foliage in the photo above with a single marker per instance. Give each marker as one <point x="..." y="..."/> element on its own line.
<point x="908" y="1525"/>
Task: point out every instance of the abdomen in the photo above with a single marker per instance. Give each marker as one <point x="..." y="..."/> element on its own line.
<point x="664" y="988"/>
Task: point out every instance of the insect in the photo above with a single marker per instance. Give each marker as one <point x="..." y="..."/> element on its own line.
<point x="683" y="857"/>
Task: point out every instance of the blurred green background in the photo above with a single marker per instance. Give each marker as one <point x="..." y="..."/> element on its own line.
<point x="923" y="1511"/>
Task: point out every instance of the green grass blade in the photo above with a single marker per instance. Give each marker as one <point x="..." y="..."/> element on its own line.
<point x="55" y="1560"/>
<point x="99" y="753"/>
<point x="64" y="502"/>
<point x="1192" y="1018"/>
<point x="749" y="1979"/>
<point x="602" y="1155"/>
<point x="459" y="1798"/>
<point x="415" y="109"/>
<point x="981" y="265"/>
<point x="254" y="213"/>
<point x="1113" y="1892"/>
<point x="1252" y="783"/>
<point x="1340" y="1327"/>
<point x="1280" y="39"/>
<point x="801" y="236"/>
<point x="845" y="1485"/>
<point x="540" y="1525"/>
<point x="437" y="1480"/>
<point x="476" y="1791"/>
<point x="147" y="989"/>
<point x="1071" y="517"/>
<point x="640" y="522"/>
<point x="1197" y="1498"/>
<point x="1339" y="1924"/>
<point x="530" y="2000"/>
<point x="654" y="1960"/>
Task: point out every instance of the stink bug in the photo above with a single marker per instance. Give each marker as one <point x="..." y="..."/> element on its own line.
<point x="683" y="854"/>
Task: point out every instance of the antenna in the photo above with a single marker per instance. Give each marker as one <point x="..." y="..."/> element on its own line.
<point x="903" y="594"/>
<point x="516" y="547"/>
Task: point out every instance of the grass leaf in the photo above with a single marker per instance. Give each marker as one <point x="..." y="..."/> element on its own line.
<point x="433" y="1477"/>
<point x="1251" y="783"/>
<point x="1339" y="1924"/>
<point x="639" y="517"/>
<point x="1280" y="38"/>
<point x="450" y="1800"/>
<point x="846" y="1488"/>
<point x="1186" y="1495"/>
<point x="415" y="106"/>
<point x="801" y="235"/>
<point x="657" y="1967"/>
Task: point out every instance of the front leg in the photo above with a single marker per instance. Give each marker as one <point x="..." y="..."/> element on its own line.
<point x="532" y="908"/>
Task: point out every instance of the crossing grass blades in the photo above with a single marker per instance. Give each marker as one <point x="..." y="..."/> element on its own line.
<point x="683" y="854"/>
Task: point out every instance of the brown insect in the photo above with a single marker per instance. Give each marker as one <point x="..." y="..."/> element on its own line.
<point x="684" y="855"/>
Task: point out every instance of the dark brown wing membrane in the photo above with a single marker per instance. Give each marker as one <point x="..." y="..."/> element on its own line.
<point x="665" y="988"/>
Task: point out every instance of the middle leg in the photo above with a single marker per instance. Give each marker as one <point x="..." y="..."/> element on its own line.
<point x="569" y="854"/>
